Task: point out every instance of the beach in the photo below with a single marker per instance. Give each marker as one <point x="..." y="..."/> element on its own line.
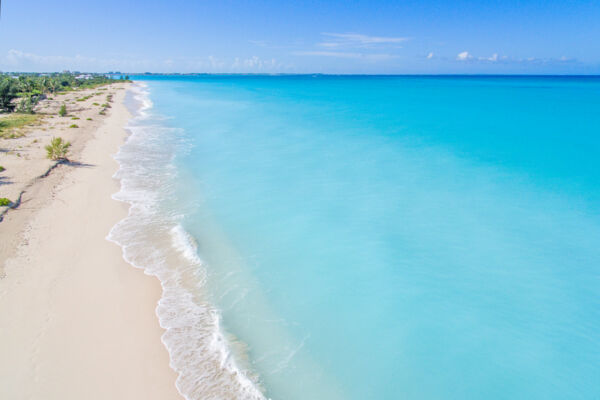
<point x="76" y="320"/>
<point x="291" y="237"/>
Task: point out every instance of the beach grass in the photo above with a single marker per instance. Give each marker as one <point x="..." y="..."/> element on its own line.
<point x="12" y="126"/>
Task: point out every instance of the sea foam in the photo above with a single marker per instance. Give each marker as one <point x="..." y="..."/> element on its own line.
<point x="153" y="239"/>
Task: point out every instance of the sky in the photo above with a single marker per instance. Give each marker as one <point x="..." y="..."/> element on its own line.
<point x="336" y="37"/>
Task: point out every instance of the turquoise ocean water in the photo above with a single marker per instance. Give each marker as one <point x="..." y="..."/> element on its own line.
<point x="323" y="237"/>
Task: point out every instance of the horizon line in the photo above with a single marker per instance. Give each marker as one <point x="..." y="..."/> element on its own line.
<point x="119" y="73"/>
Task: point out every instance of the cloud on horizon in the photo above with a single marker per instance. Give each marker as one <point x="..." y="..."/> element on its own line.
<point x="16" y="60"/>
<point x="464" y="56"/>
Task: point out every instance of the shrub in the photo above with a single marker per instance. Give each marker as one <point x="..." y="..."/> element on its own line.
<point x="2" y="168"/>
<point x="63" y="110"/>
<point x="4" y="202"/>
<point x="26" y="105"/>
<point x="75" y="118"/>
<point x="96" y="104"/>
<point x="89" y="119"/>
<point x="57" y="149"/>
<point x="74" y="126"/>
<point x="85" y="98"/>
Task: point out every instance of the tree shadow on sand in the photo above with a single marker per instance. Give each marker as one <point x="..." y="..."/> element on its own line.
<point x="5" y="181"/>
<point x="77" y="164"/>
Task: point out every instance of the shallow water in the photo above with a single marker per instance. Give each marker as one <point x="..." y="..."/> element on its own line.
<point x="371" y="237"/>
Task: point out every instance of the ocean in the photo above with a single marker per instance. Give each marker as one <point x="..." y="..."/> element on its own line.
<point x="369" y="237"/>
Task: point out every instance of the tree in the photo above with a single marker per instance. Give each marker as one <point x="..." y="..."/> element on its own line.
<point x="53" y="85"/>
<point x="8" y="92"/>
<point x="26" y="104"/>
<point x="57" y="149"/>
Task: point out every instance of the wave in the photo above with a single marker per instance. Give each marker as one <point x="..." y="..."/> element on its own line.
<point x="153" y="239"/>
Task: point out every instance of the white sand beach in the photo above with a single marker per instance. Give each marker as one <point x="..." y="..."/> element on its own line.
<point x="76" y="321"/>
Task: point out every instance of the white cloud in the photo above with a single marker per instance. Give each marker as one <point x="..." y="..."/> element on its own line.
<point x="355" y="46"/>
<point x="492" y="58"/>
<point x="21" y="61"/>
<point x="359" y="40"/>
<point x="16" y="60"/>
<point x="340" y="54"/>
<point x="464" y="56"/>
<point x="337" y="54"/>
<point x="255" y="64"/>
<point x="497" y="59"/>
<point x="430" y="55"/>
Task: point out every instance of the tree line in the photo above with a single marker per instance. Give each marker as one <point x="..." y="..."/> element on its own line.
<point x="22" y="91"/>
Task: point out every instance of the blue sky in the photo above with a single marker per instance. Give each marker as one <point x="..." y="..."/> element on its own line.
<point x="351" y="36"/>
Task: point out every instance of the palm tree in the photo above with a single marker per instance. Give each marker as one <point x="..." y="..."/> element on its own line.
<point x="44" y="84"/>
<point x="53" y="85"/>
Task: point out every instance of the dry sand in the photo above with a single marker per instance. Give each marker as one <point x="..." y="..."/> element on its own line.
<point x="76" y="321"/>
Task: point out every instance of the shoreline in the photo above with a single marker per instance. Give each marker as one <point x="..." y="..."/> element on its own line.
<point x="90" y="328"/>
<point x="153" y="240"/>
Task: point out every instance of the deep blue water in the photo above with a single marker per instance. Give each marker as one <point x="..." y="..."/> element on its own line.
<point x="397" y="237"/>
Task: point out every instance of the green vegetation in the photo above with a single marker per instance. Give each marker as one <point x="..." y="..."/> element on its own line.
<point x="75" y="118"/>
<point x="26" y="104"/>
<point x="57" y="149"/>
<point x="12" y="126"/>
<point x="2" y="169"/>
<point x="106" y="105"/>
<point x="63" y="110"/>
<point x="33" y="87"/>
<point x="8" y="92"/>
<point x="89" y="119"/>
<point x="84" y="98"/>
<point x="4" y="202"/>
<point x="74" y="126"/>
